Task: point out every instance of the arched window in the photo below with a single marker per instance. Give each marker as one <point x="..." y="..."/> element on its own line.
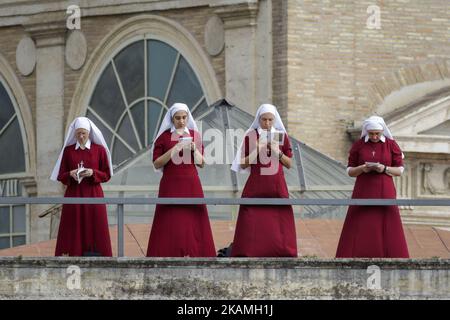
<point x="134" y="92"/>
<point x="12" y="162"/>
<point x="12" y="155"/>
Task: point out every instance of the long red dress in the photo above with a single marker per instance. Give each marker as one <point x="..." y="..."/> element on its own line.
<point x="373" y="231"/>
<point x="265" y="231"/>
<point x="180" y="230"/>
<point x="84" y="227"/>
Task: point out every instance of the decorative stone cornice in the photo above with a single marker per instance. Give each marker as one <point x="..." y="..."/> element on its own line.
<point x="407" y="76"/>
<point x="424" y="144"/>
<point x="18" y="12"/>
<point x="237" y="16"/>
<point x="47" y="34"/>
<point x="354" y="133"/>
<point x="30" y="186"/>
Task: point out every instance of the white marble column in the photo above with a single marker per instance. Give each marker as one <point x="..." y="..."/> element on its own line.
<point x="49" y="40"/>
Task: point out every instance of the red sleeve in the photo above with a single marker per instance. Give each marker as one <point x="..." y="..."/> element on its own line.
<point x="158" y="149"/>
<point x="286" y="147"/>
<point x="198" y="141"/>
<point x="102" y="174"/>
<point x="397" y="158"/>
<point x="245" y="147"/>
<point x="353" y="157"/>
<point x="64" y="170"/>
<point x="249" y="144"/>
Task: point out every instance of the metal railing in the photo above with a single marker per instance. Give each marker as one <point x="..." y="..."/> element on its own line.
<point x="121" y="202"/>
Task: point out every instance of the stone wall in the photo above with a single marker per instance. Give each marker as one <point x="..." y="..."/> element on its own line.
<point x="222" y="278"/>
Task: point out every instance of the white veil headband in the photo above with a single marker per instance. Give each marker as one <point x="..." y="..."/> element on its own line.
<point x="278" y="125"/>
<point x="376" y="123"/>
<point x="95" y="135"/>
<point x="166" y="123"/>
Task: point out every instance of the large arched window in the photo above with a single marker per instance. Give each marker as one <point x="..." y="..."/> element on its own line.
<point x="12" y="155"/>
<point x="12" y="163"/>
<point x="134" y="92"/>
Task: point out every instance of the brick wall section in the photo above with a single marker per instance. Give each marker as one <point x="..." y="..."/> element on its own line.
<point x="334" y="60"/>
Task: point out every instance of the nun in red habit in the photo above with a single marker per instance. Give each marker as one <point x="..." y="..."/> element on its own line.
<point x="83" y="229"/>
<point x="374" y="231"/>
<point x="179" y="230"/>
<point x="265" y="230"/>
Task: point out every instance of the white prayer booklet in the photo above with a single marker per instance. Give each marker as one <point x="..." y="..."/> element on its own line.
<point x="267" y="136"/>
<point x="185" y="140"/>
<point x="80" y="169"/>
<point x="372" y="164"/>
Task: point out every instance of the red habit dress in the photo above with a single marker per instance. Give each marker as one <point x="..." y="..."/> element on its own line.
<point x="265" y="231"/>
<point x="373" y="231"/>
<point x="84" y="228"/>
<point x="180" y="230"/>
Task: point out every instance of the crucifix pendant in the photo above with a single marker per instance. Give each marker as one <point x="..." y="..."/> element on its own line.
<point x="373" y="154"/>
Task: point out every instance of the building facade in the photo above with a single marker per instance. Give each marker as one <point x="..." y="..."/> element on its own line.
<point x="326" y="64"/>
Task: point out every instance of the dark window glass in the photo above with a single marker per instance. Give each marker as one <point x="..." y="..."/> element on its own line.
<point x="154" y="117"/>
<point x="107" y="101"/>
<point x="19" y="219"/>
<point x="12" y="155"/>
<point x="19" y="240"/>
<point x="129" y="63"/>
<point x="107" y="134"/>
<point x="126" y="132"/>
<point x="161" y="60"/>
<point x="185" y="87"/>
<point x="6" y="107"/>
<point x="201" y="109"/>
<point x="138" y="114"/>
<point x="4" y="243"/>
<point x="4" y="220"/>
<point x="120" y="152"/>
